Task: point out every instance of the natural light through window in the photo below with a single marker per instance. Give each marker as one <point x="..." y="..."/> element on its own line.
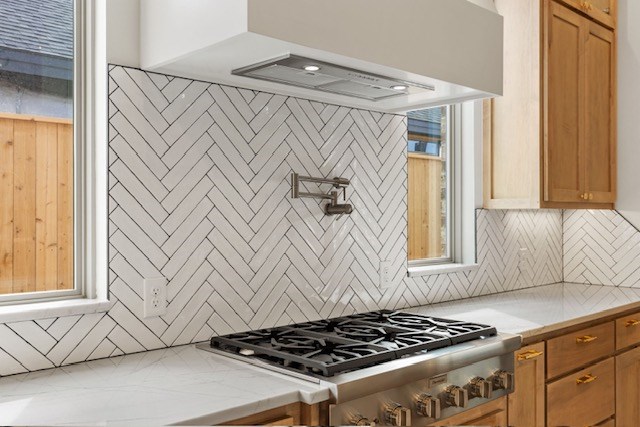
<point x="37" y="152"/>
<point x="429" y="168"/>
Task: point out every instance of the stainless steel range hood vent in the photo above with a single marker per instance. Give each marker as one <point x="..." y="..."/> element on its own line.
<point x="318" y="75"/>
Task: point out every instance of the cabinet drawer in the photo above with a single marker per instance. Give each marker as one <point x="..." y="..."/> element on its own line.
<point x="572" y="350"/>
<point x="584" y="398"/>
<point x="627" y="331"/>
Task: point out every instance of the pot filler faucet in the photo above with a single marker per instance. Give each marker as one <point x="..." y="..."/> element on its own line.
<point x="331" y="208"/>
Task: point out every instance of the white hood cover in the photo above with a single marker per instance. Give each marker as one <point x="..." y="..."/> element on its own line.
<point x="452" y="46"/>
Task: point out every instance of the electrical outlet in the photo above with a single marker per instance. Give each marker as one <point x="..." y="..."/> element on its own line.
<point x="155" y="297"/>
<point x="523" y="257"/>
<point x="385" y="274"/>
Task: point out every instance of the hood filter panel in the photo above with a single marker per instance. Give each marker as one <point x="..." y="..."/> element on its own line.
<point x="311" y="74"/>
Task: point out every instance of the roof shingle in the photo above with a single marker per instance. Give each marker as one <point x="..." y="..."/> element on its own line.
<point x="40" y="26"/>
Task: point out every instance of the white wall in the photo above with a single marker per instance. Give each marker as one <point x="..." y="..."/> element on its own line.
<point x="123" y="32"/>
<point x="628" y="110"/>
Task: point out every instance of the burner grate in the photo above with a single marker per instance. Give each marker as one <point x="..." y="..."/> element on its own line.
<point x="328" y="347"/>
<point x="291" y="348"/>
<point x="457" y="331"/>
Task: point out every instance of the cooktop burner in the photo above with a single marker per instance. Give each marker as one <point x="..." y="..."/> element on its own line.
<point x="328" y="347"/>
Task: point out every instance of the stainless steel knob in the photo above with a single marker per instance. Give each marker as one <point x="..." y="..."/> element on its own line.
<point x="456" y="396"/>
<point x="503" y="380"/>
<point x="428" y="406"/>
<point x="359" y="420"/>
<point x="397" y="415"/>
<point x="479" y="387"/>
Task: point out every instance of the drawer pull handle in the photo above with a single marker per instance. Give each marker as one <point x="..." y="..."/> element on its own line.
<point x="586" y="379"/>
<point x="586" y="339"/>
<point x="530" y="354"/>
<point x="633" y="322"/>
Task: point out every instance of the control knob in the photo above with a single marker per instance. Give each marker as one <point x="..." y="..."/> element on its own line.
<point x="359" y="420"/>
<point x="428" y="406"/>
<point x="456" y="396"/>
<point x="479" y="387"/>
<point x="397" y="415"/>
<point x="503" y="380"/>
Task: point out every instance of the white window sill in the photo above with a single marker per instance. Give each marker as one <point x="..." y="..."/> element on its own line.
<point x="429" y="270"/>
<point x="49" y="309"/>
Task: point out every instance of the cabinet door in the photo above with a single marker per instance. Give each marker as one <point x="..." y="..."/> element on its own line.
<point x="600" y="117"/>
<point x="526" y="403"/>
<point x="628" y="388"/>
<point x="564" y="96"/>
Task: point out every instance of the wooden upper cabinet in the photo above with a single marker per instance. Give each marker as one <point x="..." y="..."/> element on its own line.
<point x="550" y="141"/>
<point x="602" y="11"/>
<point x="564" y="97"/>
<point x="600" y="135"/>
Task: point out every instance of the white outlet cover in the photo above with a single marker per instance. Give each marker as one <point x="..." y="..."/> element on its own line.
<point x="155" y="297"/>
<point x="385" y="275"/>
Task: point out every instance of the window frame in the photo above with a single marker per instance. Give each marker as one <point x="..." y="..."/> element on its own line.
<point x="90" y="293"/>
<point x="450" y="234"/>
<point x="464" y="193"/>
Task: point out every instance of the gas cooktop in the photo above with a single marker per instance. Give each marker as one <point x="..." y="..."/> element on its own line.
<point x="330" y="347"/>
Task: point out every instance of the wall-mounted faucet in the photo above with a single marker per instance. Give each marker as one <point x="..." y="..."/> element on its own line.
<point x="331" y="208"/>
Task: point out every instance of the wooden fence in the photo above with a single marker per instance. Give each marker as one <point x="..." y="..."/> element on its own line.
<point x="36" y="204"/>
<point x="425" y="207"/>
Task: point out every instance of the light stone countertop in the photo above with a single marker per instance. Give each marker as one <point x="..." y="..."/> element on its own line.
<point x="536" y="311"/>
<point x="154" y="388"/>
<point x="182" y="383"/>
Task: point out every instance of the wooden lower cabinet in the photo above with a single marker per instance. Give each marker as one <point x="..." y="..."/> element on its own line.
<point x="584" y="398"/>
<point x="571" y="351"/>
<point x="289" y="415"/>
<point x="610" y="423"/>
<point x="527" y="402"/>
<point x="492" y="414"/>
<point x="628" y="388"/>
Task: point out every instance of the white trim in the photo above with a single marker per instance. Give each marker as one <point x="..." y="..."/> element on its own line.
<point x="429" y="270"/>
<point x="51" y="309"/>
<point x="97" y="154"/>
<point x="465" y="142"/>
<point x="90" y="292"/>
<point x="469" y="179"/>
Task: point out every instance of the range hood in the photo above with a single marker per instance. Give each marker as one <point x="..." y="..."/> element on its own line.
<point x="383" y="55"/>
<point x="332" y="78"/>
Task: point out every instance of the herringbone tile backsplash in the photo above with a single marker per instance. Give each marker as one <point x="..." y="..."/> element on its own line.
<point x="602" y="248"/>
<point x="199" y="193"/>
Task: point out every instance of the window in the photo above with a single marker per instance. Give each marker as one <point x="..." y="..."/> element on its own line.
<point x="41" y="161"/>
<point x="430" y="170"/>
<point x="444" y="160"/>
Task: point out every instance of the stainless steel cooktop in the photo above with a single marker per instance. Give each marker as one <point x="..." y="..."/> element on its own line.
<point x="386" y="367"/>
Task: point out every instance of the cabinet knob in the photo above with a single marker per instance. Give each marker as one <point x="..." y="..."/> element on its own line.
<point x="590" y="196"/>
<point x="586" y="339"/>
<point x="529" y="354"/>
<point x="428" y="406"/>
<point x="586" y="379"/>
<point x="632" y="322"/>
<point x="583" y="196"/>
